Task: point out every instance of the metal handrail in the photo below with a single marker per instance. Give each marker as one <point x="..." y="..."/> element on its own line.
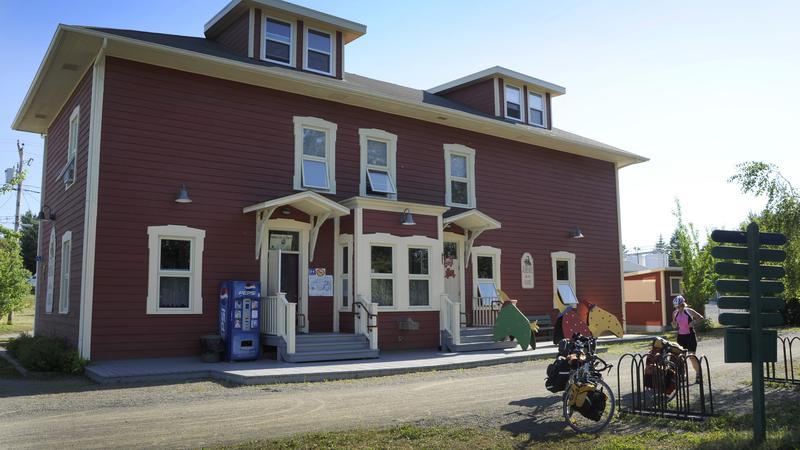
<point x="370" y="316"/>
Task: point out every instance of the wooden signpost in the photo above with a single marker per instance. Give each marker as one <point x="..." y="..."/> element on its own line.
<point x="751" y="343"/>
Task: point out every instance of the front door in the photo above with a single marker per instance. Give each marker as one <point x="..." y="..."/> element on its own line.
<point x="284" y="269"/>
<point x="452" y="274"/>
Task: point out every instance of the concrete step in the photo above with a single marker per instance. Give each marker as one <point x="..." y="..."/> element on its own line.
<point x="327" y="346"/>
<point x="332" y="355"/>
<point x="478" y="346"/>
<point x="329" y="337"/>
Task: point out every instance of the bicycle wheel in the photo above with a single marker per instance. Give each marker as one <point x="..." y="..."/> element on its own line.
<point x="578" y="421"/>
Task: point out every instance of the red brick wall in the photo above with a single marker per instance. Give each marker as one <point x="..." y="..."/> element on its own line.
<point x="69" y="207"/>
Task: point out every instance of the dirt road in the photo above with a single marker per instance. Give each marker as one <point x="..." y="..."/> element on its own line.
<point x="77" y="414"/>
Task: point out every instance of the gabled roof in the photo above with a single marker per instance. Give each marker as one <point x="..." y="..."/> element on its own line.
<point x="77" y="47"/>
<point x="499" y="72"/>
<point x="350" y="30"/>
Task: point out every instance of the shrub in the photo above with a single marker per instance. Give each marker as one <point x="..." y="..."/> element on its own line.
<point x="704" y="325"/>
<point x="46" y="354"/>
<point x="791" y="314"/>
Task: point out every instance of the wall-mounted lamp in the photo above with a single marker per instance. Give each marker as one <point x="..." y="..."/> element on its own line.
<point x="286" y="211"/>
<point x="576" y="233"/>
<point x="406" y="218"/>
<point x="183" y="196"/>
<point x="46" y="216"/>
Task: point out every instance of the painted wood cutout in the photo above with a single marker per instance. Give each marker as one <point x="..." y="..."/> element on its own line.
<point x="511" y="322"/>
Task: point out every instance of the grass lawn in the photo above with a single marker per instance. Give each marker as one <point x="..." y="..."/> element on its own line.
<point x="630" y="432"/>
<point x="23" y="320"/>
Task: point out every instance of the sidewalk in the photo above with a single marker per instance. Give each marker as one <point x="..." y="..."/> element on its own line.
<point x="265" y="371"/>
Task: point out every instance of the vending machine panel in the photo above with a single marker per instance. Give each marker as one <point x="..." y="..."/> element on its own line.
<point x="238" y="319"/>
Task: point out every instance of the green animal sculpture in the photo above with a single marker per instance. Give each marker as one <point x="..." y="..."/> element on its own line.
<point x="511" y="322"/>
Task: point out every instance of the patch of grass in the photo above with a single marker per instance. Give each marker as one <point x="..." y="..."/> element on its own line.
<point x="23" y="320"/>
<point x="726" y="431"/>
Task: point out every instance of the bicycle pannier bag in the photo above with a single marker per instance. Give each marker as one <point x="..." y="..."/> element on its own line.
<point x="557" y="375"/>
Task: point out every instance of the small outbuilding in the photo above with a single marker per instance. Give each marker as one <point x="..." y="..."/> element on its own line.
<point x="648" y="297"/>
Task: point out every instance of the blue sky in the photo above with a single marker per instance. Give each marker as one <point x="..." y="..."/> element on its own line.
<point x="695" y="86"/>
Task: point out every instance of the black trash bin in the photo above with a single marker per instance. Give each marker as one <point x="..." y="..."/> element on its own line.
<point x="211" y="348"/>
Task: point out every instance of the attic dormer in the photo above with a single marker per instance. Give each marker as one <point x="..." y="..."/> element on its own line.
<point x="505" y="94"/>
<point x="285" y="34"/>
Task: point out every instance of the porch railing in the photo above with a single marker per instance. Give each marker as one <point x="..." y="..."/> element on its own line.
<point x="484" y="311"/>
<point x="280" y="320"/>
<point x="451" y="318"/>
<point x="366" y="320"/>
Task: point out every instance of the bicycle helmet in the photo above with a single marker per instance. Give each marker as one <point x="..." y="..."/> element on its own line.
<point x="678" y="301"/>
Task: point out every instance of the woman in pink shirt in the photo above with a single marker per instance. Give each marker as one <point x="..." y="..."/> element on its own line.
<point x="682" y="319"/>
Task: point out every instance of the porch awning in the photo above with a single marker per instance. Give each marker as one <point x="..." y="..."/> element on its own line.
<point x="316" y="206"/>
<point x="473" y="222"/>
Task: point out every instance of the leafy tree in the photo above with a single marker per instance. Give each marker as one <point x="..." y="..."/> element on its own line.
<point x="781" y="214"/>
<point x="696" y="261"/>
<point x="30" y="240"/>
<point x="13" y="275"/>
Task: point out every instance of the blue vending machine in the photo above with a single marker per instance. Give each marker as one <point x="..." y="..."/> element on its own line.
<point x="238" y="319"/>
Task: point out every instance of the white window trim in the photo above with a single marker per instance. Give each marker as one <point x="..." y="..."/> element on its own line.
<point x="292" y="40"/>
<point x="179" y="232"/>
<point x="365" y="135"/>
<point x="425" y="277"/>
<point x="73" y="143"/>
<point x="563" y="256"/>
<point x="65" y="274"/>
<point x="363" y="266"/>
<point x="521" y="102"/>
<point x="385" y="276"/>
<point x="680" y="286"/>
<point x="51" y="275"/>
<point x="469" y="153"/>
<point x="330" y="151"/>
<point x="345" y="240"/>
<point x="332" y="64"/>
<point x="496" y="255"/>
<point x="544" y="109"/>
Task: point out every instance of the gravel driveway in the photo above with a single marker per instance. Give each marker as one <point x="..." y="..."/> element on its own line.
<point x="74" y="413"/>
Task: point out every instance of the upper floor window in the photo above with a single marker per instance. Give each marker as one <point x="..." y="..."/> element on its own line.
<point x="319" y="51"/>
<point x="315" y="158"/>
<point x="536" y="113"/>
<point x="513" y="102"/>
<point x="378" y="163"/>
<point x="279" y="40"/>
<point x="68" y="174"/>
<point x="175" y="270"/>
<point x="460" y="176"/>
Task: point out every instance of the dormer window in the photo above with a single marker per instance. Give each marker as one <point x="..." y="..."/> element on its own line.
<point x="513" y="103"/>
<point x="536" y="109"/>
<point x="278" y="45"/>
<point x="319" y="51"/>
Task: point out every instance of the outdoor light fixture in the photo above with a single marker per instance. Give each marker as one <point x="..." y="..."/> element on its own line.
<point x="46" y="217"/>
<point x="406" y="218"/>
<point x="576" y="233"/>
<point x="183" y="196"/>
<point x="286" y="211"/>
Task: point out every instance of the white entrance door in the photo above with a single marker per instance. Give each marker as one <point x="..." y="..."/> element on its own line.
<point x="452" y="273"/>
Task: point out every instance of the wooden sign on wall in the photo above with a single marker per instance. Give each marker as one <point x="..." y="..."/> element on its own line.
<point x="526" y="264"/>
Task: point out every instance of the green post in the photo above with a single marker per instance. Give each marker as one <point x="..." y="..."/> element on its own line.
<point x="759" y="418"/>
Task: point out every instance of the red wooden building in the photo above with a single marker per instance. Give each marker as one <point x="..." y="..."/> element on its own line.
<point x="648" y="297"/>
<point x="412" y="207"/>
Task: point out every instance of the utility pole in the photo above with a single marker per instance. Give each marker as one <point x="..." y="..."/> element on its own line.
<point x="21" y="151"/>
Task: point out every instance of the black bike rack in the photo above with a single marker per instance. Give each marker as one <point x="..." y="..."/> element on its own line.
<point x="789" y="376"/>
<point x="690" y="402"/>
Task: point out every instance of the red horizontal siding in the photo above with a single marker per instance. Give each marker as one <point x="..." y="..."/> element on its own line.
<point x="232" y="145"/>
<point x="69" y="207"/>
<point x="389" y="222"/>
<point x="236" y="37"/>
<point x="391" y="337"/>
<point x="479" y="96"/>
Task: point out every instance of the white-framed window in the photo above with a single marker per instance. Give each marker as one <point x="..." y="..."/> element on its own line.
<point x="346" y="277"/>
<point x="459" y="164"/>
<point x="378" y="163"/>
<point x="564" y="286"/>
<point x="536" y="109"/>
<point x="315" y="154"/>
<point x="64" y="288"/>
<point x="675" y="285"/>
<point x="513" y="98"/>
<point x="278" y="41"/>
<point x="318" y="54"/>
<point x="382" y="275"/>
<point x="51" y="274"/>
<point x="486" y="274"/>
<point x="175" y="275"/>
<point x="419" y="276"/>
<point x="68" y="173"/>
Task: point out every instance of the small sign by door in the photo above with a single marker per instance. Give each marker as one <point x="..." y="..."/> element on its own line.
<point x="527" y="270"/>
